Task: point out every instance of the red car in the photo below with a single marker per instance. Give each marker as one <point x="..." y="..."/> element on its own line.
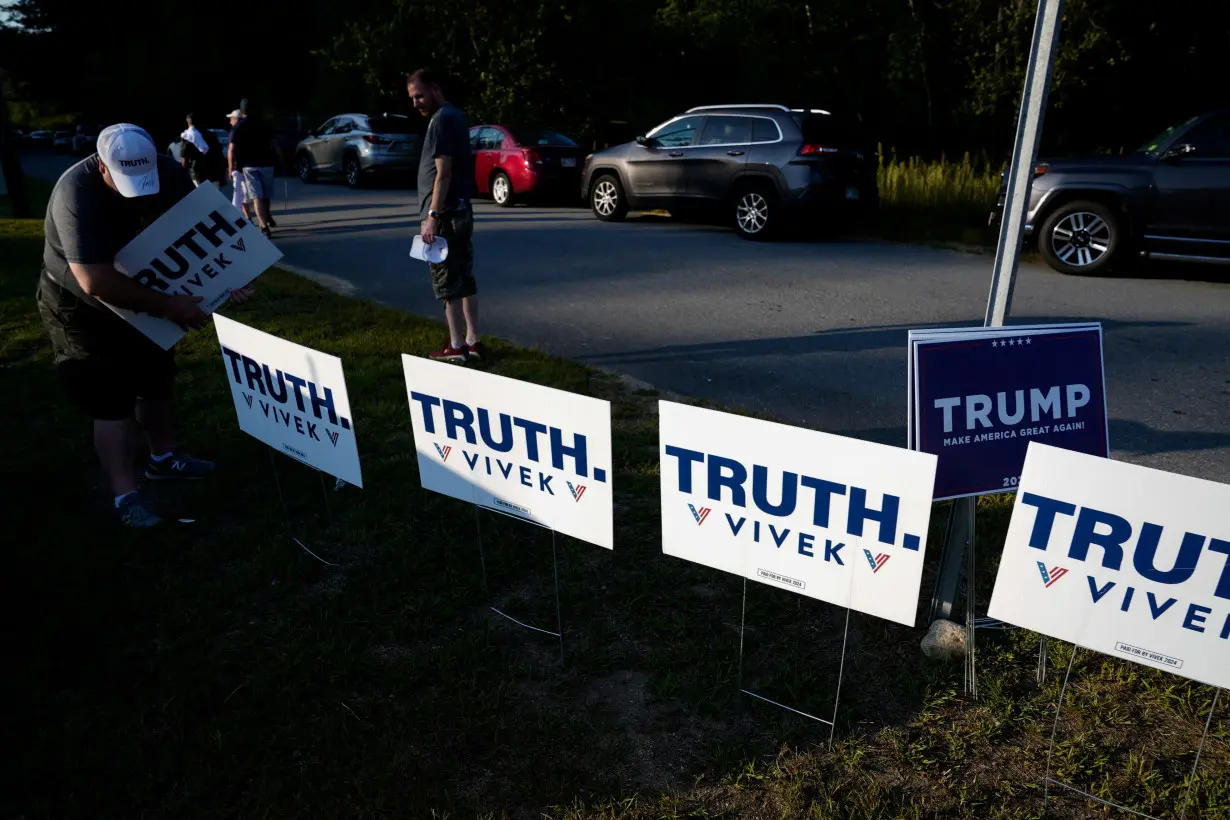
<point x="515" y="162"/>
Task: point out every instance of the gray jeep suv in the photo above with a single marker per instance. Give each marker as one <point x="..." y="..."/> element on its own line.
<point x="1170" y="199"/>
<point x="761" y="164"/>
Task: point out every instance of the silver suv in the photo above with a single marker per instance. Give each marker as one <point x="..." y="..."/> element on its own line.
<point x="357" y="146"/>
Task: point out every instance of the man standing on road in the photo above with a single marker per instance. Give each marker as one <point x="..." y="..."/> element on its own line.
<point x="239" y="194"/>
<point x="109" y="369"/>
<point x="446" y="178"/>
<point x="253" y="153"/>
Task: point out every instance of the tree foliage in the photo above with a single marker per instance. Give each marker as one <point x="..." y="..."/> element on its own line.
<point x="926" y="76"/>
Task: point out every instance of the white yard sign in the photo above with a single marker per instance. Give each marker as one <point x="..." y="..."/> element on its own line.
<point x="833" y="518"/>
<point x="1121" y="559"/>
<point x="529" y="451"/>
<point x="291" y="397"/>
<point x="201" y="247"/>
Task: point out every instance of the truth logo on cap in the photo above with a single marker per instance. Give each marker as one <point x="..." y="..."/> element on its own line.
<point x="131" y="159"/>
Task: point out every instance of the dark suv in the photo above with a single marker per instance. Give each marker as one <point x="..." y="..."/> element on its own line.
<point x="761" y="163"/>
<point x="1170" y="199"/>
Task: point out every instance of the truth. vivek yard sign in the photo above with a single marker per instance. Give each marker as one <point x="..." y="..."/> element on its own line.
<point x="529" y="451"/>
<point x="291" y="397"/>
<point x="1121" y="559"/>
<point x="201" y="247"/>
<point x="829" y="517"/>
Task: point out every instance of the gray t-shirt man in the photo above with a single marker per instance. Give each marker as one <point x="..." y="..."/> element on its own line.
<point x="448" y="135"/>
<point x="88" y="223"/>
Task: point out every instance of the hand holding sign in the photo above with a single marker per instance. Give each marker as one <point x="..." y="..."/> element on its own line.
<point x="203" y="252"/>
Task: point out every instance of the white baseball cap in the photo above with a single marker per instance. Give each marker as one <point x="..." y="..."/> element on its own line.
<point x="129" y="154"/>
<point x="236" y="114"/>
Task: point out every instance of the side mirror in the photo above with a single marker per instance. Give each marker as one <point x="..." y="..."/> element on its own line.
<point x="1179" y="151"/>
<point x="644" y="142"/>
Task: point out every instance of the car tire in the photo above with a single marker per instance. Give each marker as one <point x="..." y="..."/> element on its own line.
<point x="353" y="171"/>
<point x="303" y="165"/>
<point x="501" y="189"/>
<point x="607" y="200"/>
<point x="755" y="212"/>
<point x="1082" y="237"/>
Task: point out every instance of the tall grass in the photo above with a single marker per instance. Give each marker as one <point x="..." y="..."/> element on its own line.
<point x="937" y="201"/>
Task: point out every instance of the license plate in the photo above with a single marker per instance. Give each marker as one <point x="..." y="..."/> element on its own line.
<point x="852" y="193"/>
<point x="568" y="162"/>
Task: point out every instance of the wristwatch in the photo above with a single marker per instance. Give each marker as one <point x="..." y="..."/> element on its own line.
<point x="433" y="213"/>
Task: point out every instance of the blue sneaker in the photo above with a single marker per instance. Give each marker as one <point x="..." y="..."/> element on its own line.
<point x="134" y="514"/>
<point x="178" y="466"/>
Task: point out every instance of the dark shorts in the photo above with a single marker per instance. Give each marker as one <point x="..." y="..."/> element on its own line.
<point x="104" y="364"/>
<point x="454" y="277"/>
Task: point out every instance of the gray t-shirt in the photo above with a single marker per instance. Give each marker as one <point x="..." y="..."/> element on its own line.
<point x="448" y="135"/>
<point x="89" y="223"/>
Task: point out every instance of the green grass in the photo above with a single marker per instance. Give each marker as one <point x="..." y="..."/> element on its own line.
<point x="217" y="670"/>
<point x="937" y="201"/>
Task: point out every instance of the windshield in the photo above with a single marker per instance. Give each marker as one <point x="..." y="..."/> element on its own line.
<point x="389" y="125"/>
<point x="539" y="136"/>
<point x="1151" y="147"/>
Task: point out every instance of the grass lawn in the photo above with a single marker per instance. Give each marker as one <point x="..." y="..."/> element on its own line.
<point x="216" y="670"/>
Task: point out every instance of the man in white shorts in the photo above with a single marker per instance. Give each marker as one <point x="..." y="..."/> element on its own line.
<point x="252" y="152"/>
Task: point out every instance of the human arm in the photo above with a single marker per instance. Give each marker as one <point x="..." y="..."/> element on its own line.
<point x="105" y="283"/>
<point x="439" y="195"/>
<point x="230" y="157"/>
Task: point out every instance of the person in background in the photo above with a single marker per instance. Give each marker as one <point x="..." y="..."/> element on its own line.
<point x="446" y="178"/>
<point x="253" y="153"/>
<point x="109" y="369"/>
<point x="201" y="154"/>
<point x="239" y="197"/>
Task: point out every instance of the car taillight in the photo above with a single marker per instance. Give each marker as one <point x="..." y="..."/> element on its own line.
<point x="813" y="148"/>
<point x="375" y="140"/>
<point x="531" y="157"/>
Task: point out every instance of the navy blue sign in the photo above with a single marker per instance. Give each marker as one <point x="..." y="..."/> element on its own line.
<point x="978" y="402"/>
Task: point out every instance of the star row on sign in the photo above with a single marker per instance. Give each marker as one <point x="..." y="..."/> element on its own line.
<point x="1011" y="342"/>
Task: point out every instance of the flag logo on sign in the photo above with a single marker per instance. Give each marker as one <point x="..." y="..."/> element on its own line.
<point x="443" y="451"/>
<point x="577" y="490"/>
<point x="878" y="561"/>
<point x="700" y="515"/>
<point x="1052" y="575"/>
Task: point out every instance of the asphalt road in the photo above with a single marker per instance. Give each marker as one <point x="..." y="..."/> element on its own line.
<point x="811" y="332"/>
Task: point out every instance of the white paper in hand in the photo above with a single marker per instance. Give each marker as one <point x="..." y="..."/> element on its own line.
<point x="437" y="251"/>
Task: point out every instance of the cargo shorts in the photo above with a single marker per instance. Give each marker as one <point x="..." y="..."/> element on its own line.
<point x="454" y="277"/>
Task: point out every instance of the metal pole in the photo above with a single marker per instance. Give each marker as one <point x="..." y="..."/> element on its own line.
<point x="1008" y="251"/>
<point x="1024" y="158"/>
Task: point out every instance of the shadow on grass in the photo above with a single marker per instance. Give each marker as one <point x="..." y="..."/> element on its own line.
<point x="215" y="669"/>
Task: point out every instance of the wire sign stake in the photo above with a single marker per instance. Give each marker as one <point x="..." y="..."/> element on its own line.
<point x="1049" y="781"/>
<point x="832" y="722"/>
<point x="277" y="481"/>
<point x="482" y="561"/>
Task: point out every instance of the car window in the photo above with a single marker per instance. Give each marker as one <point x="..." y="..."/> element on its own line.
<point x="678" y="134"/>
<point x="327" y="127"/>
<point x="1210" y="138"/>
<point x="1152" y="146"/>
<point x="537" y="136"/>
<point x="344" y="125"/>
<point x="765" y="130"/>
<point x="726" y="131"/>
<point x="474" y="132"/>
<point x="490" y="139"/>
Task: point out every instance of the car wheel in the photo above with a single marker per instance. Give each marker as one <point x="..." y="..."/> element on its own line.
<point x="354" y="172"/>
<point x="755" y="212"/>
<point x="1081" y="237"/>
<point x="502" y="190"/>
<point x="607" y="200"/>
<point x="303" y="164"/>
